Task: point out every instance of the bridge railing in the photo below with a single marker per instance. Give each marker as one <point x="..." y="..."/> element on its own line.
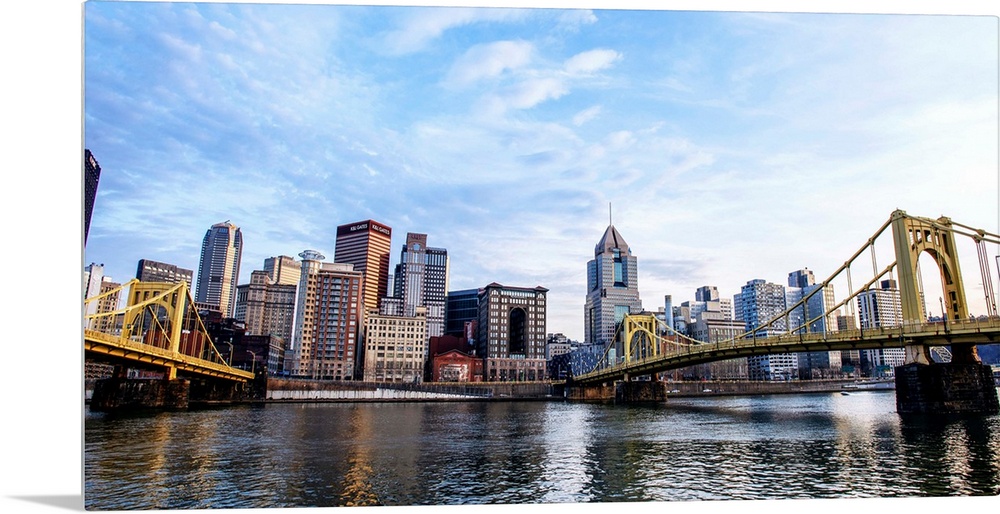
<point x="178" y="359"/>
<point x="904" y="333"/>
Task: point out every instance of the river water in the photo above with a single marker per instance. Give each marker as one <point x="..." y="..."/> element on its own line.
<point x="730" y="448"/>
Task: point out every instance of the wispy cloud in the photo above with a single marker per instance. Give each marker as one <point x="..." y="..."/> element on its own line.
<point x="489" y="61"/>
<point x="729" y="144"/>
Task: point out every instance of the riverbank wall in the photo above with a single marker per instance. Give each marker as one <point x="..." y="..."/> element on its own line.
<point x="286" y="390"/>
<point x="744" y="388"/>
<point x="290" y="390"/>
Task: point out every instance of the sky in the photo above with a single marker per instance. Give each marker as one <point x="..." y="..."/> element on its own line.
<point x="724" y="146"/>
<point x="731" y="146"/>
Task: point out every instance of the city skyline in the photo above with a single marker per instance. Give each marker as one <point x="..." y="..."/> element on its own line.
<point x="504" y="134"/>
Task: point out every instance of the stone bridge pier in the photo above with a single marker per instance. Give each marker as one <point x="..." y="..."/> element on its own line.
<point x="963" y="386"/>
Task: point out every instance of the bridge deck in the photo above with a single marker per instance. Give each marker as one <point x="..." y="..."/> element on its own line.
<point x="928" y="334"/>
<point x="114" y="346"/>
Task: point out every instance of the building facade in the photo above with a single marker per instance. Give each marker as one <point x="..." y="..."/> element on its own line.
<point x="512" y="333"/>
<point x="149" y="270"/>
<point x="266" y="307"/>
<point x="96" y="284"/>
<point x="456" y="366"/>
<point x="881" y="307"/>
<point x="757" y="304"/>
<point x="395" y="347"/>
<point x="812" y="316"/>
<point x="366" y="245"/>
<point x="461" y="307"/>
<point x="328" y="320"/>
<point x="91" y="176"/>
<point x="219" y="267"/>
<point x="283" y="270"/>
<point x="612" y="288"/>
<point x="421" y="280"/>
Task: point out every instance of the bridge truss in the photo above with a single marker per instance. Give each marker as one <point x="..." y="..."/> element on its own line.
<point x="159" y="327"/>
<point x="648" y="345"/>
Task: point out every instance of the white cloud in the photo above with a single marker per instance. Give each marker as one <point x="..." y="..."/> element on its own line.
<point x="591" y="61"/>
<point x="426" y="25"/>
<point x="489" y="61"/>
<point x="586" y="115"/>
<point x="530" y="93"/>
<point x="573" y="20"/>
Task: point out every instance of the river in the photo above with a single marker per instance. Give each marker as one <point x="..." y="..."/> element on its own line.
<point x="822" y="445"/>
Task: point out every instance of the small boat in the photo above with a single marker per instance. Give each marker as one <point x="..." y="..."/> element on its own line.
<point x="845" y="393"/>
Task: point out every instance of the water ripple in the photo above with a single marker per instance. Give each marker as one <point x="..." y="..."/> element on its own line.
<point x="758" y="448"/>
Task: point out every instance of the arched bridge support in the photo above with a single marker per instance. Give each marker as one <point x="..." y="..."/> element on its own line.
<point x="913" y="237"/>
<point x="964" y="385"/>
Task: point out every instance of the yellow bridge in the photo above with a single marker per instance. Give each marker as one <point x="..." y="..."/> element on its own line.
<point x="158" y="328"/>
<point x="646" y="346"/>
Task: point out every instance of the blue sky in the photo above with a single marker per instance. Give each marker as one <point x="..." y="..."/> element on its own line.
<point x="731" y="146"/>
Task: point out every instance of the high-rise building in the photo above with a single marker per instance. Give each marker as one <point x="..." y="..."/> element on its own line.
<point x="512" y="333"/>
<point x="283" y="270"/>
<point x="811" y="316"/>
<point x="96" y="284"/>
<point x="152" y="271"/>
<point x="219" y="267"/>
<point x="328" y="320"/>
<point x="758" y="303"/>
<point x="366" y="245"/>
<point x="421" y="281"/>
<point x="612" y="288"/>
<point x="881" y="307"/>
<point x="395" y="347"/>
<point x="462" y="308"/>
<point x="91" y="176"/>
<point x="266" y="307"/>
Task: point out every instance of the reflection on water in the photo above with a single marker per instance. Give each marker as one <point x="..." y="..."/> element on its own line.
<point x="765" y="447"/>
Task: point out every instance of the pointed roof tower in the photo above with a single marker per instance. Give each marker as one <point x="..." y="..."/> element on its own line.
<point x="611" y="239"/>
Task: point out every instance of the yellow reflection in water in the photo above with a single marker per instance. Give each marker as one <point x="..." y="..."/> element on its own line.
<point x="358" y="488"/>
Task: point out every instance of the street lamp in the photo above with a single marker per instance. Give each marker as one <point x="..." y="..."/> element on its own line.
<point x="253" y="363"/>
<point x="230" y="363"/>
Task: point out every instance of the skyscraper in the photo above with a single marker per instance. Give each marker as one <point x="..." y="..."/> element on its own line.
<point x="283" y="269"/>
<point x="612" y="288"/>
<point x="91" y="176"/>
<point x="219" y="267"/>
<point x="512" y="333"/>
<point x="810" y="317"/>
<point x="758" y="303"/>
<point x="421" y="280"/>
<point x="366" y="245"/>
<point x="461" y="309"/>
<point x="881" y="308"/>
<point x="328" y="320"/>
<point x="266" y="307"/>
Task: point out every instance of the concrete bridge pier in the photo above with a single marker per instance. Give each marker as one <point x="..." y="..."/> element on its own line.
<point x="622" y="391"/>
<point x="963" y="386"/>
<point x="650" y="391"/>
<point x="120" y="394"/>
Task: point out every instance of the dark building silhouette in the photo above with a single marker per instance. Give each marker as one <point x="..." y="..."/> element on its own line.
<point x="91" y="176"/>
